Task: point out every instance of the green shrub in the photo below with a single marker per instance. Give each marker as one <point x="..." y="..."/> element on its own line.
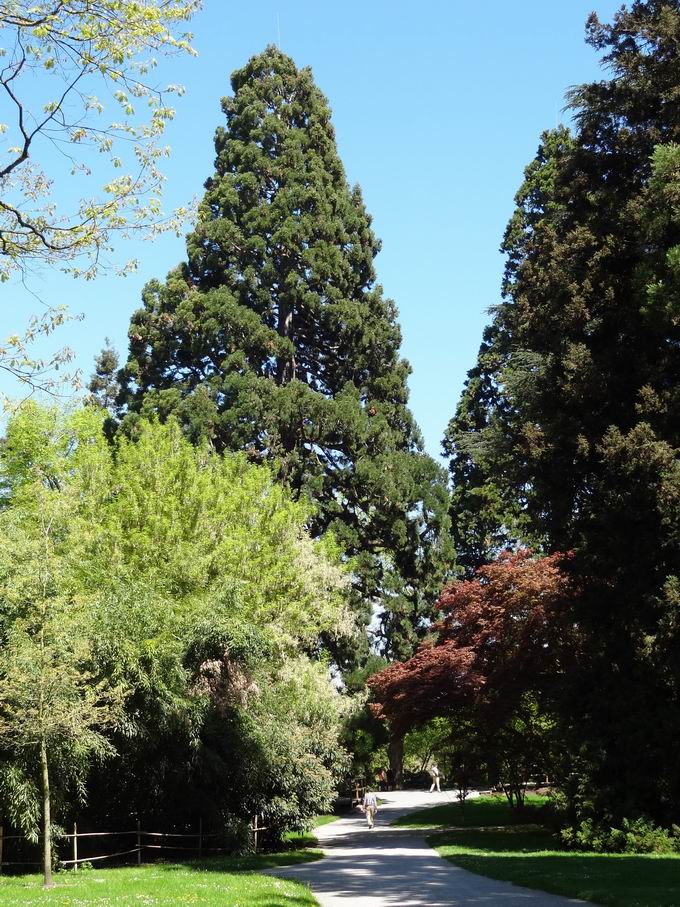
<point x="635" y="836"/>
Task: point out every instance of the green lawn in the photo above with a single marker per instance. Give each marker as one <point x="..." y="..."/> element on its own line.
<point x="489" y="810"/>
<point x="533" y="857"/>
<point x="325" y="820"/>
<point x="223" y="881"/>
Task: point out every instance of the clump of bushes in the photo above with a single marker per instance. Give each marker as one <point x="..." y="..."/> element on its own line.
<point x="634" y="836"/>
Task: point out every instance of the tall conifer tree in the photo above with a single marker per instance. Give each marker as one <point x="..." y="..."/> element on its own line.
<point x="572" y="415"/>
<point x="274" y="338"/>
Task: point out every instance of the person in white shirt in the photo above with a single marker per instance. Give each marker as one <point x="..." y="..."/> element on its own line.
<point x="369" y="806"/>
<point x="434" y="774"/>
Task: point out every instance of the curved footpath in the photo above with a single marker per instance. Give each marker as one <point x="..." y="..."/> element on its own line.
<point x="387" y="867"/>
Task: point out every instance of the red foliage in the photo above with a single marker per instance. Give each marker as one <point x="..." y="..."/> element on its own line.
<point x="504" y="632"/>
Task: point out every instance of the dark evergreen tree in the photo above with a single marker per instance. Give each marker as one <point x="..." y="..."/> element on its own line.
<point x="573" y="411"/>
<point x="104" y="386"/>
<point x="487" y="509"/>
<point x="274" y="338"/>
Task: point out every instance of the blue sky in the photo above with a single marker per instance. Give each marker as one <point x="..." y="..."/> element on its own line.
<point x="438" y="106"/>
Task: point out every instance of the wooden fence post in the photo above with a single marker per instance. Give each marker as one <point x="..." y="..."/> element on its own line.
<point x="200" y="837"/>
<point x="255" y="830"/>
<point x="139" y="843"/>
<point x="75" y="847"/>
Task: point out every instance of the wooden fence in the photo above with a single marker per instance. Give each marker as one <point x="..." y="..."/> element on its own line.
<point x="156" y="841"/>
<point x="357" y="790"/>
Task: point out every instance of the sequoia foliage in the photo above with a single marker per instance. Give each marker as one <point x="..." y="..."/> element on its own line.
<point x="275" y="339"/>
<point x="568" y="431"/>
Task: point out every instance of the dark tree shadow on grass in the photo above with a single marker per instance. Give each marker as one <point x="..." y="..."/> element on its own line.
<point x="535" y="859"/>
<point x="248" y="862"/>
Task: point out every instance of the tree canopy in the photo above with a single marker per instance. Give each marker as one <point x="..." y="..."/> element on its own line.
<point x="246" y="505"/>
<point x="497" y="666"/>
<point x="274" y="338"/>
<point x="64" y="64"/>
<point x="159" y="604"/>
<point x="58" y="56"/>
<point x="568" y="427"/>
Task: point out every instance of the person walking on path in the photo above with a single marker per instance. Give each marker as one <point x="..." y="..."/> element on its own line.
<point x="370" y="806"/>
<point x="434" y="774"/>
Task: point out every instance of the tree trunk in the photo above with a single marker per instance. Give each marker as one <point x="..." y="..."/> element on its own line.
<point x="47" y="821"/>
<point x="396" y="754"/>
<point x="286" y="366"/>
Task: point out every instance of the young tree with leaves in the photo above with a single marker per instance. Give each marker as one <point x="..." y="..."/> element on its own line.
<point x="51" y="706"/>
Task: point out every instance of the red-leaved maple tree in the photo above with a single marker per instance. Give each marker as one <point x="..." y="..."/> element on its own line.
<point x="506" y="638"/>
<point x="496" y="666"/>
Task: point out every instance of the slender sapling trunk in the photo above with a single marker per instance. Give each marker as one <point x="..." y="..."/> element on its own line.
<point x="48" y="882"/>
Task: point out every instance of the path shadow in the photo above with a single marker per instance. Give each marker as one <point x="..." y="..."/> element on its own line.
<point x="374" y="864"/>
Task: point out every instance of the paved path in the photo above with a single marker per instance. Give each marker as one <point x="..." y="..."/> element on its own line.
<point x="387" y="867"/>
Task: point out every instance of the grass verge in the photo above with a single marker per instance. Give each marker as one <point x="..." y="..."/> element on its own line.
<point x="307" y="838"/>
<point x="488" y="810"/>
<point x="325" y="820"/>
<point x="223" y="881"/>
<point x="534" y="858"/>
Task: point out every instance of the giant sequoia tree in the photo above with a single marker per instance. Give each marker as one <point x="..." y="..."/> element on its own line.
<point x="274" y="338"/>
<point x="569" y="427"/>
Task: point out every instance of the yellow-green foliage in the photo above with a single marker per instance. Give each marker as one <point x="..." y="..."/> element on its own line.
<point x="191" y="527"/>
<point x="154" y="586"/>
<point x="63" y="62"/>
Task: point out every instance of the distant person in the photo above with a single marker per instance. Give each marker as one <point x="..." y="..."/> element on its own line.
<point x="382" y="780"/>
<point x="435" y="775"/>
<point x="370" y="806"/>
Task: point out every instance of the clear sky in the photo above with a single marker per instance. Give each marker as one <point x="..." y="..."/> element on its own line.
<point x="437" y="105"/>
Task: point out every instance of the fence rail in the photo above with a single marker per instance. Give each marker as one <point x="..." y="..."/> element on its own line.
<point x="199" y="837"/>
